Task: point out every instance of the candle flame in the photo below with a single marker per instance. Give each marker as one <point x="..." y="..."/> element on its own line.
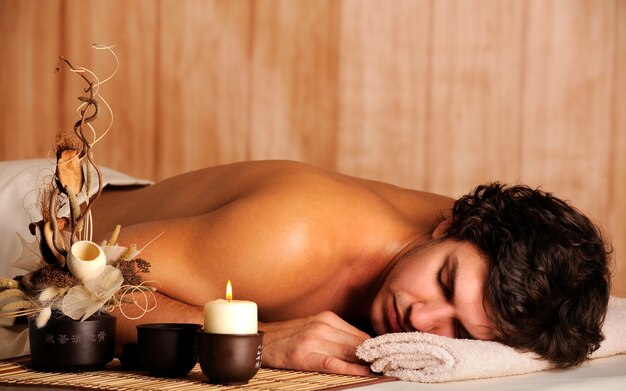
<point x="229" y="291"/>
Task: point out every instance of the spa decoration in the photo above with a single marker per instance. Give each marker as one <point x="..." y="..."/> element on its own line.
<point x="67" y="272"/>
<point x="230" y="347"/>
<point x="86" y="260"/>
<point x="230" y="316"/>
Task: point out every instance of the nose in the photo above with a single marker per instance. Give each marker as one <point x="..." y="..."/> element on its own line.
<point x="433" y="318"/>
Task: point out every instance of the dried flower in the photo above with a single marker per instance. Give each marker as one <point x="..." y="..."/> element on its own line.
<point x="49" y="275"/>
<point x="130" y="268"/>
<point x="143" y="266"/>
<point x="82" y="301"/>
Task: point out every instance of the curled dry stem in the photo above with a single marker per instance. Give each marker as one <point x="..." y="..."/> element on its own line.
<point x="88" y="102"/>
<point x="53" y="236"/>
<point x="94" y="197"/>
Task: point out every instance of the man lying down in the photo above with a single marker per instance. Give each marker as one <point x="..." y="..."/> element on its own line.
<point x="332" y="260"/>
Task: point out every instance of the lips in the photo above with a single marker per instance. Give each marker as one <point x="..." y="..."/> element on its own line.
<point x="393" y="319"/>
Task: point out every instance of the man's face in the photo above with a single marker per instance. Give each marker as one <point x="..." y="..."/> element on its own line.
<point x="436" y="288"/>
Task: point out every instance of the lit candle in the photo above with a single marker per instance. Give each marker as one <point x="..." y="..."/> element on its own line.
<point x="230" y="316"/>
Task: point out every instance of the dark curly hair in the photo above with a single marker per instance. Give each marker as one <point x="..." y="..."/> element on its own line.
<point x="549" y="281"/>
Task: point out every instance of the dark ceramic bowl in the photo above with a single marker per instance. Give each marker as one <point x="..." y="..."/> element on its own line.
<point x="67" y="345"/>
<point x="230" y="359"/>
<point x="168" y="349"/>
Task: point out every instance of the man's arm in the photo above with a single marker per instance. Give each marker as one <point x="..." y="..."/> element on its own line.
<point x="322" y="343"/>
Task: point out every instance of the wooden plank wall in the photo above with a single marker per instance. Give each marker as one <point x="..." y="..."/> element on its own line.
<point x="438" y="95"/>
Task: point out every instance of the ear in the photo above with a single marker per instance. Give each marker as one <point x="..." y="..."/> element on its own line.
<point x="442" y="228"/>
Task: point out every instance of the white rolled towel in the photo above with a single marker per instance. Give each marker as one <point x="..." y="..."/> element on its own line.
<point x="427" y="358"/>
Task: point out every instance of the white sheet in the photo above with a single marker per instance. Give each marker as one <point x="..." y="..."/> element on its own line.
<point x="603" y="374"/>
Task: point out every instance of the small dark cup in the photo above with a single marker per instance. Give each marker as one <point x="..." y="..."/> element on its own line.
<point x="230" y="359"/>
<point x="168" y="349"/>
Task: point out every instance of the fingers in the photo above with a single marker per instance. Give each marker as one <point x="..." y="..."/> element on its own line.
<point x="323" y="355"/>
<point x="323" y="343"/>
<point x="330" y="364"/>
<point x="334" y="345"/>
<point x="321" y="337"/>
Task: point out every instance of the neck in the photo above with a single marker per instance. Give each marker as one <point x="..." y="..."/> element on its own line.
<point x="407" y="246"/>
<point x="362" y="292"/>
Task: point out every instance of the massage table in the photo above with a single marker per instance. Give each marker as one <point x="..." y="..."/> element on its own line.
<point x="603" y="374"/>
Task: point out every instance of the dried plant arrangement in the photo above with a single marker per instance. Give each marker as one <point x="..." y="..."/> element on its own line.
<point x="67" y="271"/>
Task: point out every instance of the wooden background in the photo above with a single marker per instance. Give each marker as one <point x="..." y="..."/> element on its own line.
<point x="437" y="95"/>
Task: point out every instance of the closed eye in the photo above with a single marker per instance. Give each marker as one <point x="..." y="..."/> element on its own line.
<point x="445" y="289"/>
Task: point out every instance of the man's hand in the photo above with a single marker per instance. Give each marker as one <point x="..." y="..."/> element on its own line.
<point x="322" y="343"/>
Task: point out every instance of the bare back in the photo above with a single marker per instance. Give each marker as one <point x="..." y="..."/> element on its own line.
<point x="291" y="237"/>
